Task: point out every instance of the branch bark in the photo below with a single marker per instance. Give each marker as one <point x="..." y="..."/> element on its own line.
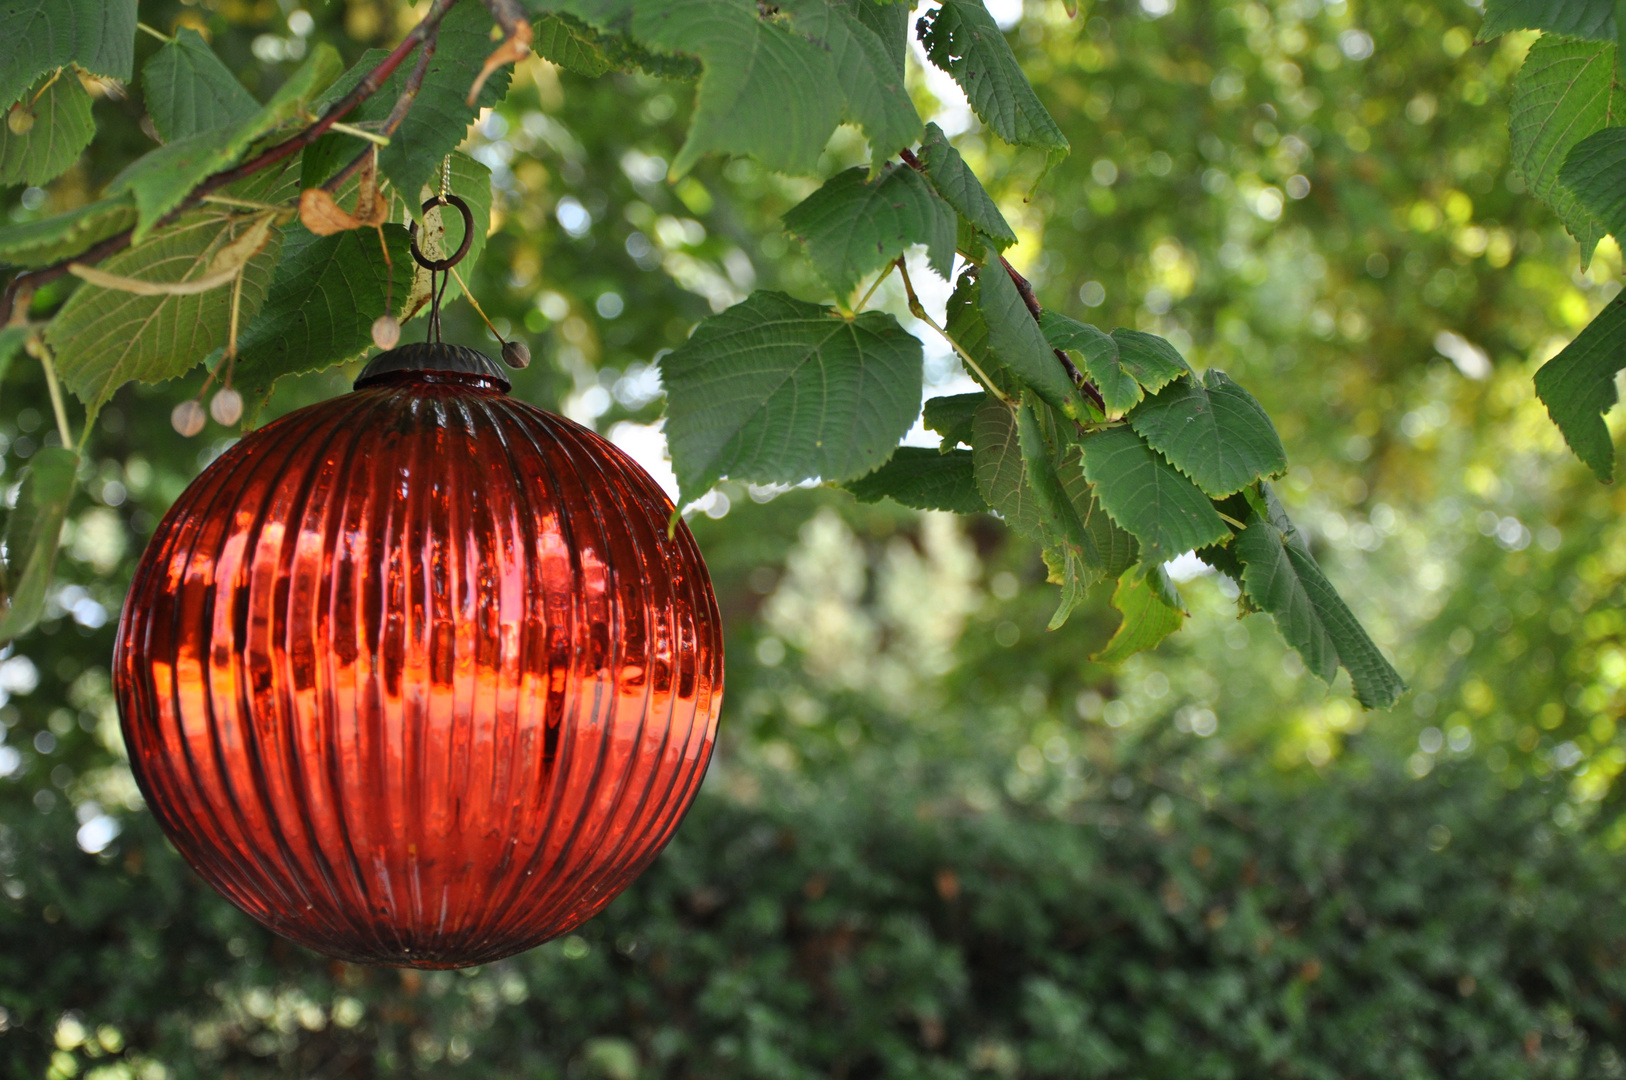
<point x="403" y="103"/>
<point x="24" y="284"/>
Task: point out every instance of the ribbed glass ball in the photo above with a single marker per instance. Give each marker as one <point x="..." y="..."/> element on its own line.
<point x="416" y="675"/>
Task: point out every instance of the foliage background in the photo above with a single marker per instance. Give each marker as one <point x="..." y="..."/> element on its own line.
<point x="937" y="841"/>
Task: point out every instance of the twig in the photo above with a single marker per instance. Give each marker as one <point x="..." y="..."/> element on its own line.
<point x="403" y="105"/>
<point x="918" y="310"/>
<point x="1024" y="288"/>
<point x="368" y="86"/>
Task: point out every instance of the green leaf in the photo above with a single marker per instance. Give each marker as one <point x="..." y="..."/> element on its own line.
<point x="321" y="306"/>
<point x="40" y="243"/>
<point x="1146" y="495"/>
<point x="43" y="35"/>
<point x="1590" y="19"/>
<point x="1564" y="92"/>
<point x="1068" y="571"/>
<point x="767" y="91"/>
<point x="852" y="227"/>
<point x="570" y="44"/>
<point x="1149" y="617"/>
<point x="1106" y="548"/>
<point x="888" y="20"/>
<point x="188" y="90"/>
<point x="1050" y="503"/>
<point x="471" y="181"/>
<point x="1282" y="577"/>
<point x="327" y="155"/>
<point x="1000" y="473"/>
<point x="62" y="129"/>
<point x="1038" y="467"/>
<point x="1592" y="173"/>
<point x="1016" y="341"/>
<point x="1123" y="366"/>
<point x="961" y="189"/>
<point x="1222" y="556"/>
<point x="611" y="15"/>
<point x="952" y="417"/>
<point x="1213" y="431"/>
<point x="1150" y="359"/>
<point x="441" y="115"/>
<point x="33" y="535"/>
<point x="583" y="36"/>
<point x="925" y="480"/>
<point x="962" y="39"/>
<point x="161" y="180"/>
<point x="866" y="72"/>
<point x="964" y="322"/>
<point x="1096" y="353"/>
<point x="775" y="390"/>
<point x="103" y="338"/>
<point x="1578" y="387"/>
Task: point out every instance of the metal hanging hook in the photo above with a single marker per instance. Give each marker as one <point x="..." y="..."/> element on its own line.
<point x="439" y="268"/>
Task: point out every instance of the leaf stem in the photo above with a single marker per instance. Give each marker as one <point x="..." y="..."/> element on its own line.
<point x="246" y="204"/>
<point x="44" y="354"/>
<point x="918" y="310"/>
<point x="159" y="34"/>
<point x="55" y="75"/>
<point x="360" y="133"/>
<point x="876" y="284"/>
<point x="475" y="303"/>
<point x="236" y="305"/>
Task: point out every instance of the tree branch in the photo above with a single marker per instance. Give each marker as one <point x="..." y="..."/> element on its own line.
<point x="25" y="283"/>
<point x="1024" y="288"/>
<point x="403" y="105"/>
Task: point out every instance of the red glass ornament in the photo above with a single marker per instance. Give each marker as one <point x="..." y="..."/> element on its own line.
<point x="416" y="676"/>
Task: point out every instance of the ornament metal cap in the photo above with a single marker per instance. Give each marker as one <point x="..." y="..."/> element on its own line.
<point x="430" y="357"/>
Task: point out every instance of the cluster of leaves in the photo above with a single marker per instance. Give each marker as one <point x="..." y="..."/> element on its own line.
<point x="1106" y="448"/>
<point x="1568" y="129"/>
<point x="1366" y="924"/>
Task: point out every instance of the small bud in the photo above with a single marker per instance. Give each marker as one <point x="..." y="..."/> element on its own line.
<point x="226" y="407"/>
<point x="516" y="354"/>
<point x="386" y="332"/>
<point x="187" y="418"/>
<point x="20" y="119"/>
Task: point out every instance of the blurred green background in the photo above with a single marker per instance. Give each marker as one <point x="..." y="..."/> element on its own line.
<point x="936" y="841"/>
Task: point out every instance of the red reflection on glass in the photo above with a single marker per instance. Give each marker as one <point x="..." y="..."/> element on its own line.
<point x="416" y="676"/>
